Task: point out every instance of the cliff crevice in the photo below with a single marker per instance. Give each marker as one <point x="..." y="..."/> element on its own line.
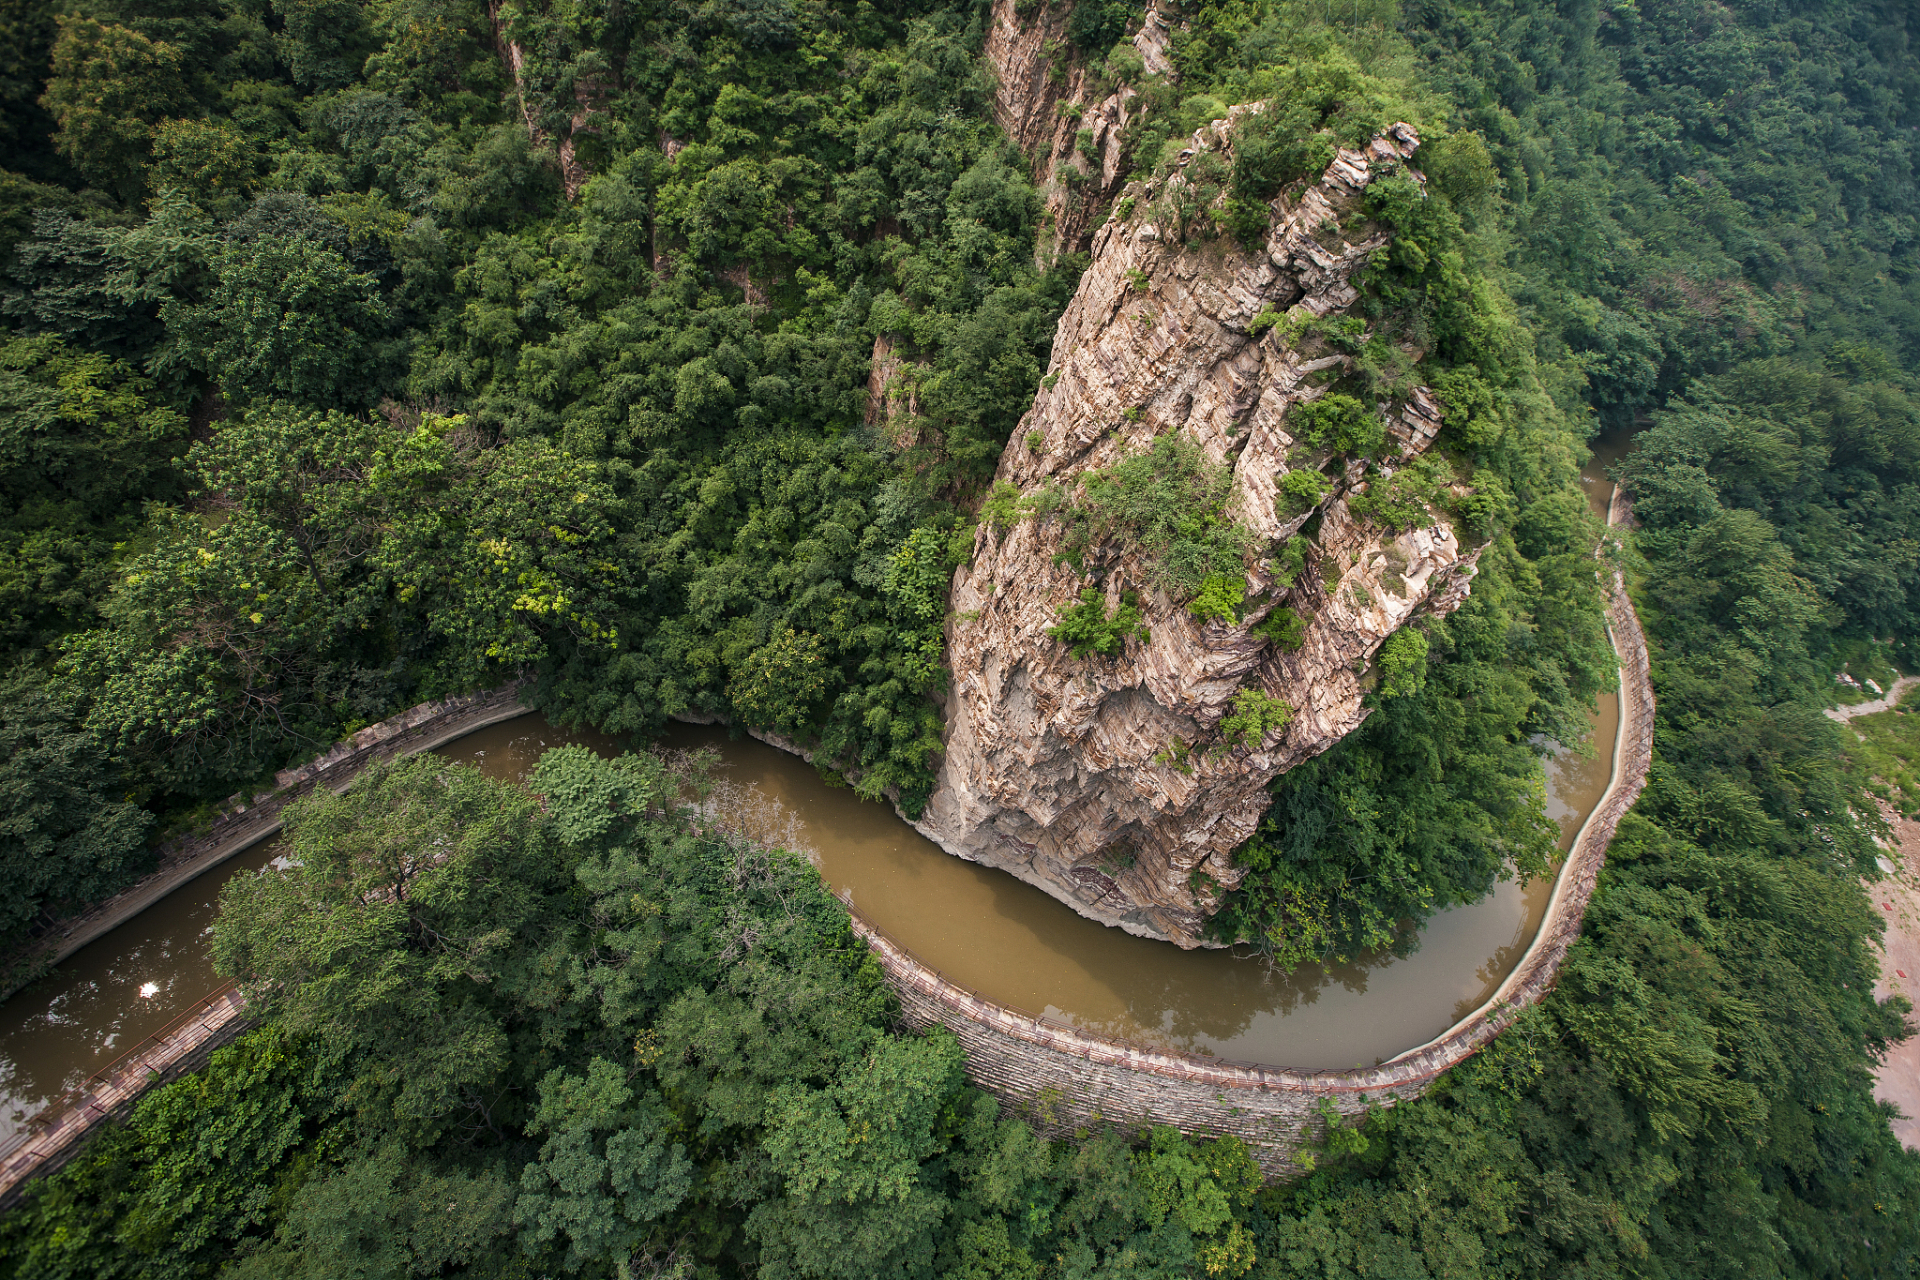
<point x="1061" y="112"/>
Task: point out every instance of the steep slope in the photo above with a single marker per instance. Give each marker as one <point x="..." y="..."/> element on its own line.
<point x="1063" y="115"/>
<point x="1108" y="781"/>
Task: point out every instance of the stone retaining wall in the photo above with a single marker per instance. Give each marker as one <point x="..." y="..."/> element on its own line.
<point x="1067" y="1078"/>
<point x="421" y="728"/>
<point x="60" y="1132"/>
<point x="1063" y="1076"/>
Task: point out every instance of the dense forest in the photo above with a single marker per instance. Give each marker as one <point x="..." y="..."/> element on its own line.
<point x="359" y="352"/>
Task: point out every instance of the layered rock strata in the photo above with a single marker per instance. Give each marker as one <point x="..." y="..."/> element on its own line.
<point x="1061" y="113"/>
<point x="1106" y="781"/>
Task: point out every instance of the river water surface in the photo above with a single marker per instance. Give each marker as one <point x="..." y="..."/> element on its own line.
<point x="981" y="927"/>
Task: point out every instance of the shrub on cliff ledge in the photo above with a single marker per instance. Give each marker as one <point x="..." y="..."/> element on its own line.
<point x="1255" y="715"/>
<point x="1086" y="628"/>
<point x="1169" y="506"/>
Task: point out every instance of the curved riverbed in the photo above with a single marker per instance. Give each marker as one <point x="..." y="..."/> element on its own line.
<point x="980" y="927"/>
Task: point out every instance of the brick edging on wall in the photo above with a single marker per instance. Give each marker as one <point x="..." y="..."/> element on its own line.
<point x="58" y="1133"/>
<point x="110" y="1094"/>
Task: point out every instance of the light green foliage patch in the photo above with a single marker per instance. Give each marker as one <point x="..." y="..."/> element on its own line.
<point x="1285" y="627"/>
<point x="1168" y="504"/>
<point x="1884" y="752"/>
<point x="1219" y="598"/>
<point x="1403" y="663"/>
<point x="1086" y="628"/>
<point x="1291" y="559"/>
<point x="1407" y="499"/>
<point x="1301" y="489"/>
<point x="1337" y="422"/>
<point x="1255" y="716"/>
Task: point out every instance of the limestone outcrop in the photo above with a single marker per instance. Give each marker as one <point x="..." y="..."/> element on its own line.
<point x="1107" y="780"/>
<point x="1058" y="111"/>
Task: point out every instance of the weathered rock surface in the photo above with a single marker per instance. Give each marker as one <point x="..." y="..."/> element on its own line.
<point x="1058" y="769"/>
<point x="1045" y="100"/>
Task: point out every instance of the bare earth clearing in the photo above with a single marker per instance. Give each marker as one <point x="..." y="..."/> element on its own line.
<point x="1898" y="899"/>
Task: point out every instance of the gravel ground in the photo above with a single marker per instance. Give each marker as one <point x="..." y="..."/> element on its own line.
<point x="1898" y="898"/>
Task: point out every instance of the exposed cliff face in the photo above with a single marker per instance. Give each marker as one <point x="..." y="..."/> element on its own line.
<point x="1060" y="770"/>
<point x="1045" y="101"/>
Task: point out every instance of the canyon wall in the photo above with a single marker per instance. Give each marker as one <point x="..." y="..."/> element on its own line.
<point x="1063" y="115"/>
<point x="1106" y="780"/>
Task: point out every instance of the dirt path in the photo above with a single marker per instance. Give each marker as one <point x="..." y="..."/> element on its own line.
<point x="1898" y="899"/>
<point x="1886" y="703"/>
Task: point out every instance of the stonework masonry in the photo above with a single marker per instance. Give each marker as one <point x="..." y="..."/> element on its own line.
<point x="1061" y="1075"/>
<point x="1068" y="1078"/>
<point x="243" y="825"/>
<point x="62" y="1130"/>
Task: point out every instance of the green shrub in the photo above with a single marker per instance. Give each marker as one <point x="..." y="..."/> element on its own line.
<point x="1001" y="510"/>
<point x="1337" y="422"/>
<point x="1292" y="559"/>
<point x="779" y="682"/>
<point x="1405" y="499"/>
<point x="1169" y="505"/>
<point x="1403" y="663"/>
<point x="1287" y="629"/>
<point x="1086" y="627"/>
<point x="1219" y="598"/>
<point x="1254" y="716"/>
<point x="1302" y="490"/>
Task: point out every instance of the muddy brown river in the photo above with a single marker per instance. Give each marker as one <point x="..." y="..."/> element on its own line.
<point x="980" y="927"/>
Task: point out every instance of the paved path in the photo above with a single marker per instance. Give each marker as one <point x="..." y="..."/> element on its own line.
<point x="57" y="1132"/>
<point x="1886" y="703"/>
<point x="1897" y="899"/>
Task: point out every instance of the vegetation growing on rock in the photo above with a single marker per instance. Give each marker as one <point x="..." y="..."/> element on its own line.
<point x="361" y="353"/>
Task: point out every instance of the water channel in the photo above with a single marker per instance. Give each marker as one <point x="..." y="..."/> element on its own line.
<point x="980" y="927"/>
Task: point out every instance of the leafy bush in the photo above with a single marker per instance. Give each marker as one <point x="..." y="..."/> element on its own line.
<point x="1219" y="598"/>
<point x="1337" y="422"/>
<point x="1302" y="489"/>
<point x="1403" y="663"/>
<point x="1168" y="504"/>
<point x="1287" y="629"/>
<point x="1087" y="628"/>
<point x="1291" y="560"/>
<point x="780" y="682"/>
<point x="1406" y="499"/>
<point x="1254" y="717"/>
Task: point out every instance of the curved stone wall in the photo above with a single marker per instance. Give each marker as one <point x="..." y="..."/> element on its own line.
<point x="1061" y="1075"/>
<point x="243" y="825"/>
<point x="1066" y="1077"/>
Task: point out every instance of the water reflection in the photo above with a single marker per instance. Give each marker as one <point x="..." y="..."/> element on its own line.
<point x="112" y="994"/>
<point x="1014" y="944"/>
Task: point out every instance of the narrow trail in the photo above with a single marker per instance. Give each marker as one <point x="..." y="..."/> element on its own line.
<point x="1886" y="702"/>
<point x="1897" y="900"/>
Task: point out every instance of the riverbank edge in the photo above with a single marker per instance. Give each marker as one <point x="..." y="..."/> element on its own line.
<point x="234" y="831"/>
<point x="109" y="1094"/>
<point x="1060" y="1076"/>
<point x="1066" y="1078"/>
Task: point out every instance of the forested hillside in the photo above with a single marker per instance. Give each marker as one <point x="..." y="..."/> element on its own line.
<point x="358" y="353"/>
